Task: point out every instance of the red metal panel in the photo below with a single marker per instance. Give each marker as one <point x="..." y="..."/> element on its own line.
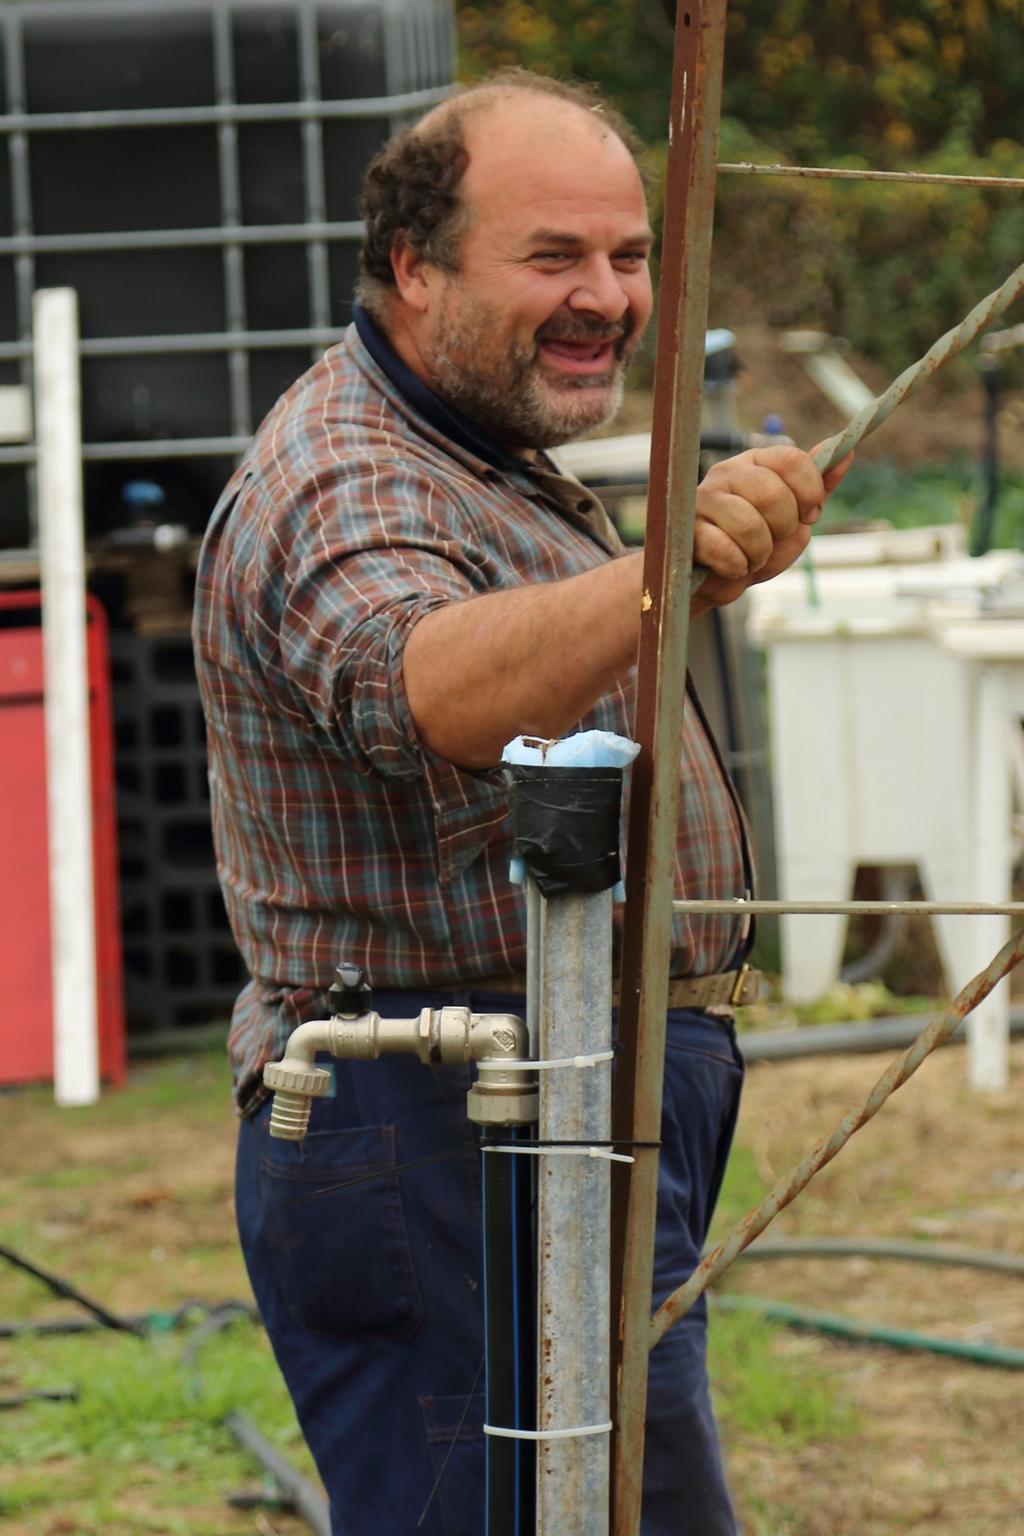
<point x="26" y="1029"/>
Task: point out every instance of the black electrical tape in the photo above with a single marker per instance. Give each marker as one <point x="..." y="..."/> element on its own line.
<point x="565" y="826"/>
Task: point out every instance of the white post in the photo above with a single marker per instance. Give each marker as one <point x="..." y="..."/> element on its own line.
<point x="988" y="1027"/>
<point x="68" y="787"/>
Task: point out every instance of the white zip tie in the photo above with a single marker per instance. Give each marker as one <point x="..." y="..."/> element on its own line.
<point x="612" y="1157"/>
<point x="549" y="1434"/>
<point x="592" y="1060"/>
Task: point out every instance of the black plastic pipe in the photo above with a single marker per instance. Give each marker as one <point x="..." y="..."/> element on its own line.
<point x="985" y="521"/>
<point x="509" y="1336"/>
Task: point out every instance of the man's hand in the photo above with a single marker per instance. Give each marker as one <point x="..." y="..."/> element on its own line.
<point x="755" y="513"/>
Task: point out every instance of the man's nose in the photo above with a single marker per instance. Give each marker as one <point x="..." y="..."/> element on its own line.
<point x="600" y="291"/>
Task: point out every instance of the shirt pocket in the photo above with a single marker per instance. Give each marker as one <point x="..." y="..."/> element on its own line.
<point x="469" y="811"/>
<point x="333" y="1211"/>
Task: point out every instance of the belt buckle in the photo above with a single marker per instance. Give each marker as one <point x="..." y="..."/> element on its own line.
<point x="739" y="986"/>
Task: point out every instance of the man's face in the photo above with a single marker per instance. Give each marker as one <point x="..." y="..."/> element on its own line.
<point x="532" y="335"/>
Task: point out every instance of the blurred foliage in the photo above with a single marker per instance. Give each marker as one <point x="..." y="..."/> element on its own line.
<point x="950" y="493"/>
<point x="623" y="45"/>
<point x="890" y="267"/>
<point x="886" y="78"/>
<point x="934" y="85"/>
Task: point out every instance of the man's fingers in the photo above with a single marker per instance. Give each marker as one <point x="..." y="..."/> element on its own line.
<point x="837" y="473"/>
<point x="773" y="478"/>
<point x="771" y="497"/>
<point x="731" y="536"/>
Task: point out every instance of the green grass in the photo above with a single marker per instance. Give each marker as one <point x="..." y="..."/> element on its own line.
<point x="144" y="1448"/>
<point x="768" y="1384"/>
<point x="140" y="1409"/>
<point x="742" y="1188"/>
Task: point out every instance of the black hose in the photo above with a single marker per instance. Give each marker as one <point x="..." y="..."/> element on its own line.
<point x="873" y="1333"/>
<point x="306" y="1500"/>
<point x="54" y="1395"/>
<point x="984" y="523"/>
<point x="883" y="1248"/>
<point x="885" y="1034"/>
<point x="139" y="1322"/>
<point x="72" y="1293"/>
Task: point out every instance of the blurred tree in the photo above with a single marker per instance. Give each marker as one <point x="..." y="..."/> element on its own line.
<point x="623" y="45"/>
<point x="894" y="84"/>
<point x="888" y="78"/>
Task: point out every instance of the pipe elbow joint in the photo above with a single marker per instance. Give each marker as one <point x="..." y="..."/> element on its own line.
<point x="501" y="1096"/>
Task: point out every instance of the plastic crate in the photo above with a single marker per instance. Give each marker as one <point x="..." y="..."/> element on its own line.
<point x="181" y="965"/>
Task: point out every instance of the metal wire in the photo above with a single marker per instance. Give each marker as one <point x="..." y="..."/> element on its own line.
<point x="786" y="1190"/>
<point x="828" y="454"/>
<point x="833" y="173"/>
<point x="744" y="908"/>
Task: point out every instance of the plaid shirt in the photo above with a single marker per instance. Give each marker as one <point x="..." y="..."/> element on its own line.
<point x="338" y="834"/>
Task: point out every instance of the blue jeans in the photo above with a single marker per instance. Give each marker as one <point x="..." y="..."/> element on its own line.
<point x="370" y="1291"/>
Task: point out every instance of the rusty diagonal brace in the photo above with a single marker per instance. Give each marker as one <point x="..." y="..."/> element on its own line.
<point x="674" y="1307"/>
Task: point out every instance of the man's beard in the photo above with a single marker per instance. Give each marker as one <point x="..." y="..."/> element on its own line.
<point x="500" y="385"/>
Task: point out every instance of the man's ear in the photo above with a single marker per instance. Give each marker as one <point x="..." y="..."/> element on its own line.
<point x="413" y="274"/>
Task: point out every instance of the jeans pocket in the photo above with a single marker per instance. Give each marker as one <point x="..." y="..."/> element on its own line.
<point x="455" y="1437"/>
<point x="332" y="1206"/>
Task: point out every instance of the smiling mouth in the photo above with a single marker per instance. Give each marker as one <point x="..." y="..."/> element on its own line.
<point x="579" y="357"/>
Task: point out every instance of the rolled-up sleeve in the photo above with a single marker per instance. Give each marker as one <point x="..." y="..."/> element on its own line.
<point x="379" y="546"/>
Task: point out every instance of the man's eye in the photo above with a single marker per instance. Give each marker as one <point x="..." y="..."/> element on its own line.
<point x="631" y="258"/>
<point x="552" y="256"/>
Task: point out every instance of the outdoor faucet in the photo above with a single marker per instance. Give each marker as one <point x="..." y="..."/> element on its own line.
<point x="445" y="1036"/>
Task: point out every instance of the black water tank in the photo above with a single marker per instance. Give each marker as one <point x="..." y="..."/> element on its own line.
<point x="190" y="169"/>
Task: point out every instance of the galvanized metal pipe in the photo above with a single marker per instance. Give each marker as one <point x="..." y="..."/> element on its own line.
<point x="314" y="185"/>
<point x="664" y="632"/>
<point x="192" y="341"/>
<point x="21" y="226"/>
<point x="355" y="109"/>
<point x="231" y="215"/>
<point x="183" y="239"/>
<point x="573" y="1217"/>
<point x="787" y="1188"/>
<point x="154" y="448"/>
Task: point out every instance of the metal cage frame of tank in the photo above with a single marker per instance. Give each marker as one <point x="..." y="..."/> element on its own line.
<point x="420" y="43"/>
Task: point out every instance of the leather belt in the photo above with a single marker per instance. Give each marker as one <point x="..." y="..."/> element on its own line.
<point x="726" y="990"/>
<point x="729" y="989"/>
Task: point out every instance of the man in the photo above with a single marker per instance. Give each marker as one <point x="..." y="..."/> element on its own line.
<point x="396" y="582"/>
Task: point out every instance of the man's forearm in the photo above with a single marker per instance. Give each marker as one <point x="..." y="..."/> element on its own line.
<point x="530" y="661"/>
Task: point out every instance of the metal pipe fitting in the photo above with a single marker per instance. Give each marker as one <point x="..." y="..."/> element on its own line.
<point x="297" y="1081"/>
<point x="500" y="1097"/>
<point x="445" y="1036"/>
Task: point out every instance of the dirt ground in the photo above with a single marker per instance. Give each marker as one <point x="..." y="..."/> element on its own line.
<point x="941" y="1443"/>
<point x="140" y="1207"/>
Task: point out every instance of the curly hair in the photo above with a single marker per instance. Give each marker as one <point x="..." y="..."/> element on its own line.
<point x="412" y="185"/>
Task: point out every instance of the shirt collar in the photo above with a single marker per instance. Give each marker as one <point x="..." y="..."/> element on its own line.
<point x="450" y="422"/>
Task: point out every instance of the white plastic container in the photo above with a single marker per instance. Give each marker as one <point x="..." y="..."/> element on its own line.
<point x="896" y="704"/>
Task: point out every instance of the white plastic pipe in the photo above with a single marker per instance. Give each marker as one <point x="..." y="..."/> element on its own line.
<point x="66" y="697"/>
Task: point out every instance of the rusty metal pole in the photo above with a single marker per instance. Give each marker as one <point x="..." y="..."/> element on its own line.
<point x="675" y="443"/>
